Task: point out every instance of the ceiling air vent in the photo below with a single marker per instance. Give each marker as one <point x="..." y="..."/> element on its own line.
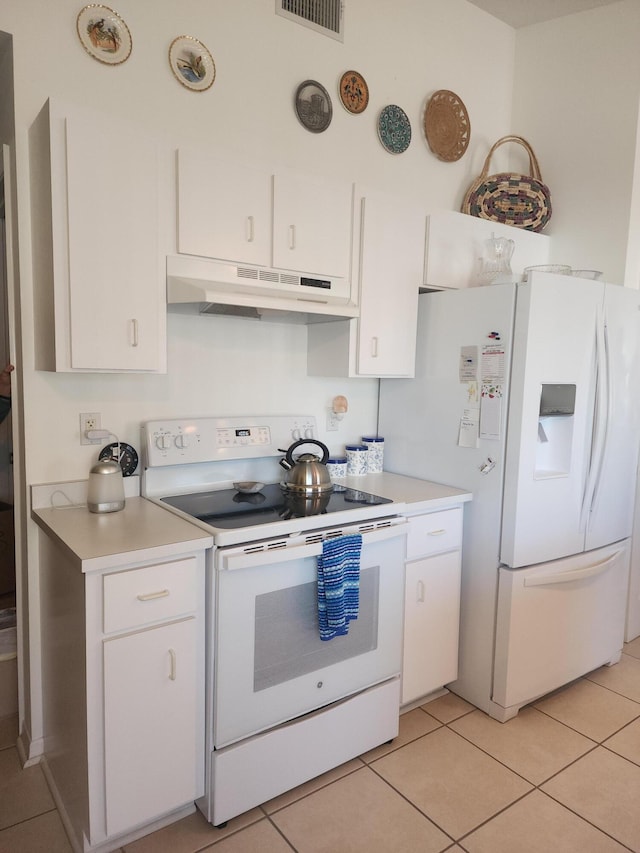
<point x="324" y="16"/>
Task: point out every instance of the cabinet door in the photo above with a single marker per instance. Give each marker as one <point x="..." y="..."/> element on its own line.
<point x="224" y="209"/>
<point x="116" y="282"/>
<point x="312" y="225"/>
<point x="150" y="719"/>
<point x="431" y="624"/>
<point x="391" y="268"/>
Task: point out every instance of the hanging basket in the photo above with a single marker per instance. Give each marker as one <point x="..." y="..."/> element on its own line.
<point x="510" y="198"/>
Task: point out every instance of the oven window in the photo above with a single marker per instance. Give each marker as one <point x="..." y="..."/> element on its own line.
<point x="287" y="642"/>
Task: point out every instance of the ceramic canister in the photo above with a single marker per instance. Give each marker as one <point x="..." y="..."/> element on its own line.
<point x="356" y="459"/>
<point x="375" y="453"/>
<point x="337" y="466"/>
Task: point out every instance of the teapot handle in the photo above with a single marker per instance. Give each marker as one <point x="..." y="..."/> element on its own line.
<point x="289" y="457"/>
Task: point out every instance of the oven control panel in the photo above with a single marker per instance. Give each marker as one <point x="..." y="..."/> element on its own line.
<point x="180" y="441"/>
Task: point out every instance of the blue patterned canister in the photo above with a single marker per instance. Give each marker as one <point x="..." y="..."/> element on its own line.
<point x="337" y="467"/>
<point x="375" y="453"/>
<point x="357" y="455"/>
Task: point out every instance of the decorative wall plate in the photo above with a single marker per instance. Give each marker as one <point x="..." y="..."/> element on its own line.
<point x="394" y="129"/>
<point x="191" y="63"/>
<point x="354" y="92"/>
<point x="313" y="106"/>
<point x="446" y="125"/>
<point x="103" y="34"/>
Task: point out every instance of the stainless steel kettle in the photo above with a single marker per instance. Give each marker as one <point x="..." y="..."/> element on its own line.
<point x="307" y="473"/>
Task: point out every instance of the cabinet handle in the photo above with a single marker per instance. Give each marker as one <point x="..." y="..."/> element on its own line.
<point x="172" y="661"/>
<point x="150" y="596"/>
<point x="374" y="347"/>
<point x="250" y="229"/>
<point x="292" y="236"/>
<point x="440" y="532"/>
<point x="420" y="591"/>
<point x="134" y="333"/>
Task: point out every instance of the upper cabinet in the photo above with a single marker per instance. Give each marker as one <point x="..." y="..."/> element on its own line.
<point x="224" y="209"/>
<point x="312" y="224"/>
<point x="456" y="247"/>
<point x="241" y="213"/>
<point x="382" y="341"/>
<point x="391" y="266"/>
<point x="98" y="272"/>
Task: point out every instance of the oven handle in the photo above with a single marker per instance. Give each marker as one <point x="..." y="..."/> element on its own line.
<point x="242" y="560"/>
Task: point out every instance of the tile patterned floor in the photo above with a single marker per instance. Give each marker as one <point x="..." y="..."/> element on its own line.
<point x="562" y="776"/>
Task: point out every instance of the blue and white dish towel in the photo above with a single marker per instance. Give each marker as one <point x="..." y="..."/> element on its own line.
<point x="338" y="584"/>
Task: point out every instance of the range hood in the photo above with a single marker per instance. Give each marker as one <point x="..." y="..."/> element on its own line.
<point x="208" y="286"/>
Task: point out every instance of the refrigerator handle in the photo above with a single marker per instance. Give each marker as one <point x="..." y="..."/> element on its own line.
<point x="601" y="417"/>
<point x="574" y="575"/>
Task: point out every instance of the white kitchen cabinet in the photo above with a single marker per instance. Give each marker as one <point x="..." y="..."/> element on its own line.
<point x="382" y="341"/>
<point x="456" y="246"/>
<point x="224" y="208"/>
<point x="150" y="717"/>
<point x="99" y="278"/>
<point x="123" y="688"/>
<point x="432" y="603"/>
<point x="312" y="224"/>
<point x="244" y="214"/>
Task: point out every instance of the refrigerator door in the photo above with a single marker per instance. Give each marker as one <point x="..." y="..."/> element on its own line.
<point x="611" y="507"/>
<point x="423" y="423"/>
<point x="558" y="621"/>
<point x="551" y="419"/>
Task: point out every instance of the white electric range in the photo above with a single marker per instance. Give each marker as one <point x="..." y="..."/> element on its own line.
<point x="283" y="705"/>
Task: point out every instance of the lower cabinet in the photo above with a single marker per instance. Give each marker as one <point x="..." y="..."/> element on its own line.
<point x="150" y="691"/>
<point x="432" y="603"/>
<point x="124" y="693"/>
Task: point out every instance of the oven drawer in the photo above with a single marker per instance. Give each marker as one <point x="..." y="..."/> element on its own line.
<point x="434" y="533"/>
<point x="151" y="594"/>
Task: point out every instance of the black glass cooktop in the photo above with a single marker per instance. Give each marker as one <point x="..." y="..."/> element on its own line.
<point x="228" y="508"/>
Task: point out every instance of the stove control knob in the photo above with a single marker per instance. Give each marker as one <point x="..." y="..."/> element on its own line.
<point x="182" y="441"/>
<point x="163" y="441"/>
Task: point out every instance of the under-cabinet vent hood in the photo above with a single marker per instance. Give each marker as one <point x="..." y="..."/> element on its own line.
<point x="206" y="286"/>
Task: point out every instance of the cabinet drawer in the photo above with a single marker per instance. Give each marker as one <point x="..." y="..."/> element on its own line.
<point x="434" y="533"/>
<point x="152" y="594"/>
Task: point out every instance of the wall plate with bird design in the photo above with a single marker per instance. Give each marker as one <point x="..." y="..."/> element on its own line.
<point x="103" y="33"/>
<point x="191" y="63"/>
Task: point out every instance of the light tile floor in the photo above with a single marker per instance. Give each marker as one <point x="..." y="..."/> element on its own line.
<point x="561" y="777"/>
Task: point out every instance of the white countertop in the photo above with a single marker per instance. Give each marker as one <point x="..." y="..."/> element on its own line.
<point x="144" y="531"/>
<point x="141" y="531"/>
<point x="418" y="495"/>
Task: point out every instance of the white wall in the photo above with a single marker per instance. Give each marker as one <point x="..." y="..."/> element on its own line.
<point x="260" y="58"/>
<point x="577" y="84"/>
<point x="406" y="50"/>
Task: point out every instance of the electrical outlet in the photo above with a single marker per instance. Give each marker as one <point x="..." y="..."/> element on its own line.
<point x="89" y="420"/>
<point x="333" y="421"/>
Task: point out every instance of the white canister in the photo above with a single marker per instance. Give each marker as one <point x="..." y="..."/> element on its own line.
<point x="375" y="453"/>
<point x="356" y="459"/>
<point x="337" y="467"/>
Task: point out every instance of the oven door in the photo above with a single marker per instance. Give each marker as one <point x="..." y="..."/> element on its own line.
<point x="270" y="663"/>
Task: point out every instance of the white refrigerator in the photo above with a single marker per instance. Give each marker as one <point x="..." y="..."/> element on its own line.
<point x="528" y="396"/>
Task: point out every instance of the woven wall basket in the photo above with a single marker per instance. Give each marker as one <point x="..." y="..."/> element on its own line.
<point x="513" y="199"/>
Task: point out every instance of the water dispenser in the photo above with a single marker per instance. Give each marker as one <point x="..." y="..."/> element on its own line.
<point x="555" y="430"/>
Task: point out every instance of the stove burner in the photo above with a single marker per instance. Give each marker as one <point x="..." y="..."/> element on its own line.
<point x="229" y="509"/>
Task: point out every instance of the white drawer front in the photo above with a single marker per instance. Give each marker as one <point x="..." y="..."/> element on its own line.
<point x="434" y="533"/>
<point x="152" y="594"/>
